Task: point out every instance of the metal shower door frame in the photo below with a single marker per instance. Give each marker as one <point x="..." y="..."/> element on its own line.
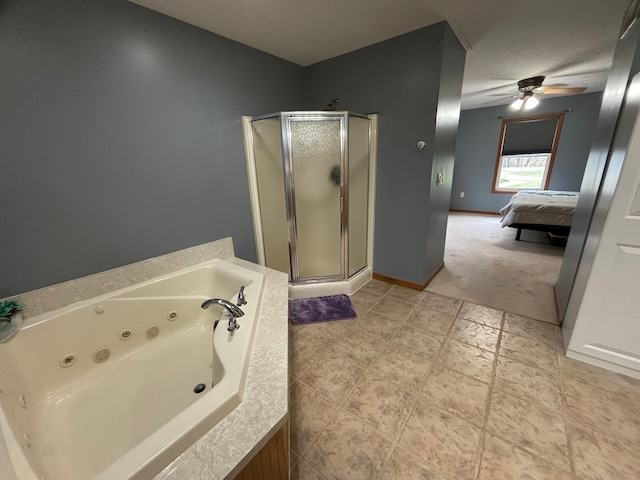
<point x="286" y="118"/>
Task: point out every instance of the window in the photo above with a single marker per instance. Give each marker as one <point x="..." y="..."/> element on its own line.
<point x="526" y="152"/>
<point x="520" y="171"/>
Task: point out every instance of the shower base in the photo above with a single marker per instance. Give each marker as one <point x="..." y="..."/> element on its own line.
<point x="322" y="289"/>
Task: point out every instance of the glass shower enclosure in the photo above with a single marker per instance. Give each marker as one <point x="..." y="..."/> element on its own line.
<point x="311" y="178"/>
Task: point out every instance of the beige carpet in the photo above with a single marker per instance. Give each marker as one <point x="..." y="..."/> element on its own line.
<point x="484" y="264"/>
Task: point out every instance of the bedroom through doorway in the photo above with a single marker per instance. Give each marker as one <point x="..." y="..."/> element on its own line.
<point x="484" y="264"/>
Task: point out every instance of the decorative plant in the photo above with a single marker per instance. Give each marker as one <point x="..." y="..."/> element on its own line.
<point x="8" y="308"/>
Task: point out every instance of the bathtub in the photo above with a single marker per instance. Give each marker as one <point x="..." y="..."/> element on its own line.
<point x="118" y="386"/>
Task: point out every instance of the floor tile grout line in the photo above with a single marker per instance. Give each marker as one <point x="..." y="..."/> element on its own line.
<point x="302" y="453"/>
<point x="565" y="415"/>
<point x="338" y="409"/>
<point x="493" y="352"/>
<point x="585" y="382"/>
<point x="542" y="322"/>
<point x="420" y="389"/>
<point x="487" y="410"/>
<point x="340" y="404"/>
<point x="394" y="442"/>
<point x="403" y="424"/>
<point x="493" y="388"/>
<point x="435" y="363"/>
<point x="522" y="396"/>
<point x="312" y="467"/>
<point x="563" y="373"/>
<point x="446" y="336"/>
<point x="415" y="399"/>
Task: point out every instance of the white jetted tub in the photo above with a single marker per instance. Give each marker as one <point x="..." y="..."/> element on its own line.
<point x="118" y="386"/>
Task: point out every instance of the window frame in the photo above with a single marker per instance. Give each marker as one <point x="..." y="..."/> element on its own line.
<point x="554" y="146"/>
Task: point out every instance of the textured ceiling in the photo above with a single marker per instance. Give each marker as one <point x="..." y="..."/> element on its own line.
<point x="571" y="42"/>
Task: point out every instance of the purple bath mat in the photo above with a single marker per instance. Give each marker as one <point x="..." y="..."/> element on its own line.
<point x="321" y="309"/>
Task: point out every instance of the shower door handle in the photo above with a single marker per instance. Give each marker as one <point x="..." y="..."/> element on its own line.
<point x="341" y="209"/>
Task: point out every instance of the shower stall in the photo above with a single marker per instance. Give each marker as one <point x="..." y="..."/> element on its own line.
<point x="312" y="184"/>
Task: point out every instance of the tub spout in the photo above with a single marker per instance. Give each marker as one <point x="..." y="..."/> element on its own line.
<point x="233" y="310"/>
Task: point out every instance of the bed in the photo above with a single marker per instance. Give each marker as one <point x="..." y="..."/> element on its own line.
<point x="548" y="211"/>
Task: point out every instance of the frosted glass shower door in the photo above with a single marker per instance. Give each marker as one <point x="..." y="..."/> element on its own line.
<point x="267" y="148"/>
<point x="358" y="192"/>
<point x="317" y="153"/>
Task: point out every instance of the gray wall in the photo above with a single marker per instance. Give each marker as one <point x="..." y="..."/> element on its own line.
<point x="400" y="80"/>
<point x="477" y="148"/>
<point x="121" y="136"/>
<point x="122" y="140"/>
<point x="444" y="148"/>
<point x="593" y="204"/>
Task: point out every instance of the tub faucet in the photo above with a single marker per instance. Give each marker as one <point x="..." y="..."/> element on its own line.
<point x="233" y="310"/>
<point x="242" y="299"/>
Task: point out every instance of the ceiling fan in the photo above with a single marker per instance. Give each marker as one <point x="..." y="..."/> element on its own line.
<point x="530" y="87"/>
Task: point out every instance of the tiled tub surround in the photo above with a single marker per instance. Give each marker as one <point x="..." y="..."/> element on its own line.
<point x="226" y="447"/>
<point x="422" y="386"/>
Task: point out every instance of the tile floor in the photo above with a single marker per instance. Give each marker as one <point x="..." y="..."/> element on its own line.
<point x="422" y="386"/>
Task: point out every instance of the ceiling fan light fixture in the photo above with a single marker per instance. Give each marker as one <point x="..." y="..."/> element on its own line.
<point x="530" y="102"/>
<point x="517" y="105"/>
<point x="526" y="102"/>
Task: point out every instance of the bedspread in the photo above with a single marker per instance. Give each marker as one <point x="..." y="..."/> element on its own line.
<point x="543" y="207"/>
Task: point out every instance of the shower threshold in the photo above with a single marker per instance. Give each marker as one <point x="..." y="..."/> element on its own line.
<point x="322" y="289"/>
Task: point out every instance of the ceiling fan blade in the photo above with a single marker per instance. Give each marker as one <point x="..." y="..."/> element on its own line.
<point x="495" y="101"/>
<point x="562" y="91"/>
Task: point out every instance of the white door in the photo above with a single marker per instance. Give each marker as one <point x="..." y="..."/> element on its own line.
<point x="607" y="329"/>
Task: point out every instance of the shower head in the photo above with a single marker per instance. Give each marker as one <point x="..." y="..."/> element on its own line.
<point x="331" y="106"/>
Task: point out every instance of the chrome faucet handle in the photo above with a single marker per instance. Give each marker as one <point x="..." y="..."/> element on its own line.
<point x="233" y="325"/>
<point x="234" y="312"/>
<point x="242" y="300"/>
